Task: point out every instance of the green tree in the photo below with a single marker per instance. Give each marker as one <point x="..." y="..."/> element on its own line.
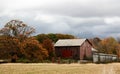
<point x="41" y="37"/>
<point x="53" y="37"/>
<point x="65" y="36"/>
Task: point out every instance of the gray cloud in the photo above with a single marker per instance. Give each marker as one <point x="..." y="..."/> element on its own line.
<point x="85" y="8"/>
<point x="83" y="18"/>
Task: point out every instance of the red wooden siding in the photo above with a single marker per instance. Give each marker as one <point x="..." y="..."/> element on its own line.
<point x="68" y="52"/>
<point x="85" y="50"/>
<point x="75" y="52"/>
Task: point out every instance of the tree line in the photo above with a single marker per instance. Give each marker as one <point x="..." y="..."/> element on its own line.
<point x="17" y="42"/>
<point x="108" y="45"/>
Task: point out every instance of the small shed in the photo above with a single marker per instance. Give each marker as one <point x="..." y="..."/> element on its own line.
<point x="79" y="49"/>
<point x="102" y="57"/>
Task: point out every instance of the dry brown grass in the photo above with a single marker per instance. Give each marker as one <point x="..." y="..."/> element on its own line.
<point x="40" y="68"/>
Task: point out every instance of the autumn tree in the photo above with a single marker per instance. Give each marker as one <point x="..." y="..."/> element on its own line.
<point x="10" y="48"/>
<point x="118" y="50"/>
<point x="33" y="50"/>
<point x="15" y="30"/>
<point x="108" y="45"/>
<point x="18" y="29"/>
<point x="17" y="41"/>
<point x="48" y="44"/>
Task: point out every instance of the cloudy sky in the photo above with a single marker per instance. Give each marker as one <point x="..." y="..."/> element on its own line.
<point x="83" y="18"/>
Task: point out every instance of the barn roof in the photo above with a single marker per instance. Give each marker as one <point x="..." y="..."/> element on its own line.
<point x="70" y="42"/>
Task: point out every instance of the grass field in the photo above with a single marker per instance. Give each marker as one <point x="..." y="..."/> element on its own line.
<point x="40" y="68"/>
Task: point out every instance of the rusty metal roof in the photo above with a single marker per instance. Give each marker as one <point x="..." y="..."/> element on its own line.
<point x="69" y="42"/>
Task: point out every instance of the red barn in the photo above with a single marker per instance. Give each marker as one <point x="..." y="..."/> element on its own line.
<point x="78" y="49"/>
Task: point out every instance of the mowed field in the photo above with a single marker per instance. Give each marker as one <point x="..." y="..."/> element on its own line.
<point x="44" y="68"/>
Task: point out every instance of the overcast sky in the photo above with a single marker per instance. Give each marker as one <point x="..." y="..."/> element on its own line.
<point x="83" y="18"/>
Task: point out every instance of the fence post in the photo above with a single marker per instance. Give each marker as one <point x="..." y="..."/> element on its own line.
<point x="53" y="59"/>
<point x="59" y="60"/>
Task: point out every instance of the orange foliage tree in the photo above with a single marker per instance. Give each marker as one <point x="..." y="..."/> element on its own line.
<point x="108" y="45"/>
<point x="33" y="50"/>
<point x="48" y="44"/>
<point x="16" y="42"/>
<point x="8" y="46"/>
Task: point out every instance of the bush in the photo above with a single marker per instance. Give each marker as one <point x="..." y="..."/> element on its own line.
<point x="22" y="60"/>
<point x="67" y="61"/>
<point x="47" y="61"/>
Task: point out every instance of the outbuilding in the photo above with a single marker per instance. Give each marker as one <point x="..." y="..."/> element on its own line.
<point x="78" y="49"/>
